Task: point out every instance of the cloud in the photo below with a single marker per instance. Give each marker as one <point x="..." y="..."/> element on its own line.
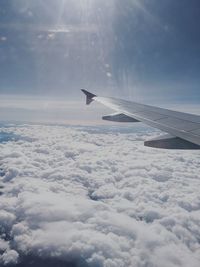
<point x="95" y="196"/>
<point x="63" y="28"/>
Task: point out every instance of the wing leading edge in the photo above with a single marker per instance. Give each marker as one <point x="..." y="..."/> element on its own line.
<point x="183" y="129"/>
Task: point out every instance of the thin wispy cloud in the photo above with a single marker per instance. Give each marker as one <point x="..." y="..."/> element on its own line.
<point x="49" y="28"/>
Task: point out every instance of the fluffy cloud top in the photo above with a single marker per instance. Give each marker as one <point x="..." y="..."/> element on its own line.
<point x="94" y="197"/>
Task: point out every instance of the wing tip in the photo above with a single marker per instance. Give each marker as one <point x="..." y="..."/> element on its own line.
<point x="89" y="96"/>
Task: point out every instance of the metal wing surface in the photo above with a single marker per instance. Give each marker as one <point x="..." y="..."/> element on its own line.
<point x="183" y="128"/>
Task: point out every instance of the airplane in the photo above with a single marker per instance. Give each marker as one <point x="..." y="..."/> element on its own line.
<point x="183" y="129"/>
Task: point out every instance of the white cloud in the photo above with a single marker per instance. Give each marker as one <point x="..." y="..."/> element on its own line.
<point x="98" y="196"/>
<point x="9" y="257"/>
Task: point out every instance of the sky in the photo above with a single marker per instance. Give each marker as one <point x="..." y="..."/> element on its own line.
<point x="141" y="50"/>
<point x="90" y="195"/>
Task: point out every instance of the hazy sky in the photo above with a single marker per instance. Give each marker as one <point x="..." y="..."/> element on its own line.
<point x="135" y="49"/>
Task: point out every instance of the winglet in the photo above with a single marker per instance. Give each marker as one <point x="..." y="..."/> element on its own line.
<point x="89" y="96"/>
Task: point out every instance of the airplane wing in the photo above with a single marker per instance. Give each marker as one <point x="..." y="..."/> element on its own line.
<point x="183" y="129"/>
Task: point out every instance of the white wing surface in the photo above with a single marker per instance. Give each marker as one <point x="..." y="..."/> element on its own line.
<point x="183" y="129"/>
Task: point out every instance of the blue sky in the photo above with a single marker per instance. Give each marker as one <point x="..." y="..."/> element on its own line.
<point x="143" y="50"/>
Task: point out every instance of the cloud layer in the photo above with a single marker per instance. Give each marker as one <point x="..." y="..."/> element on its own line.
<point x="96" y="197"/>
